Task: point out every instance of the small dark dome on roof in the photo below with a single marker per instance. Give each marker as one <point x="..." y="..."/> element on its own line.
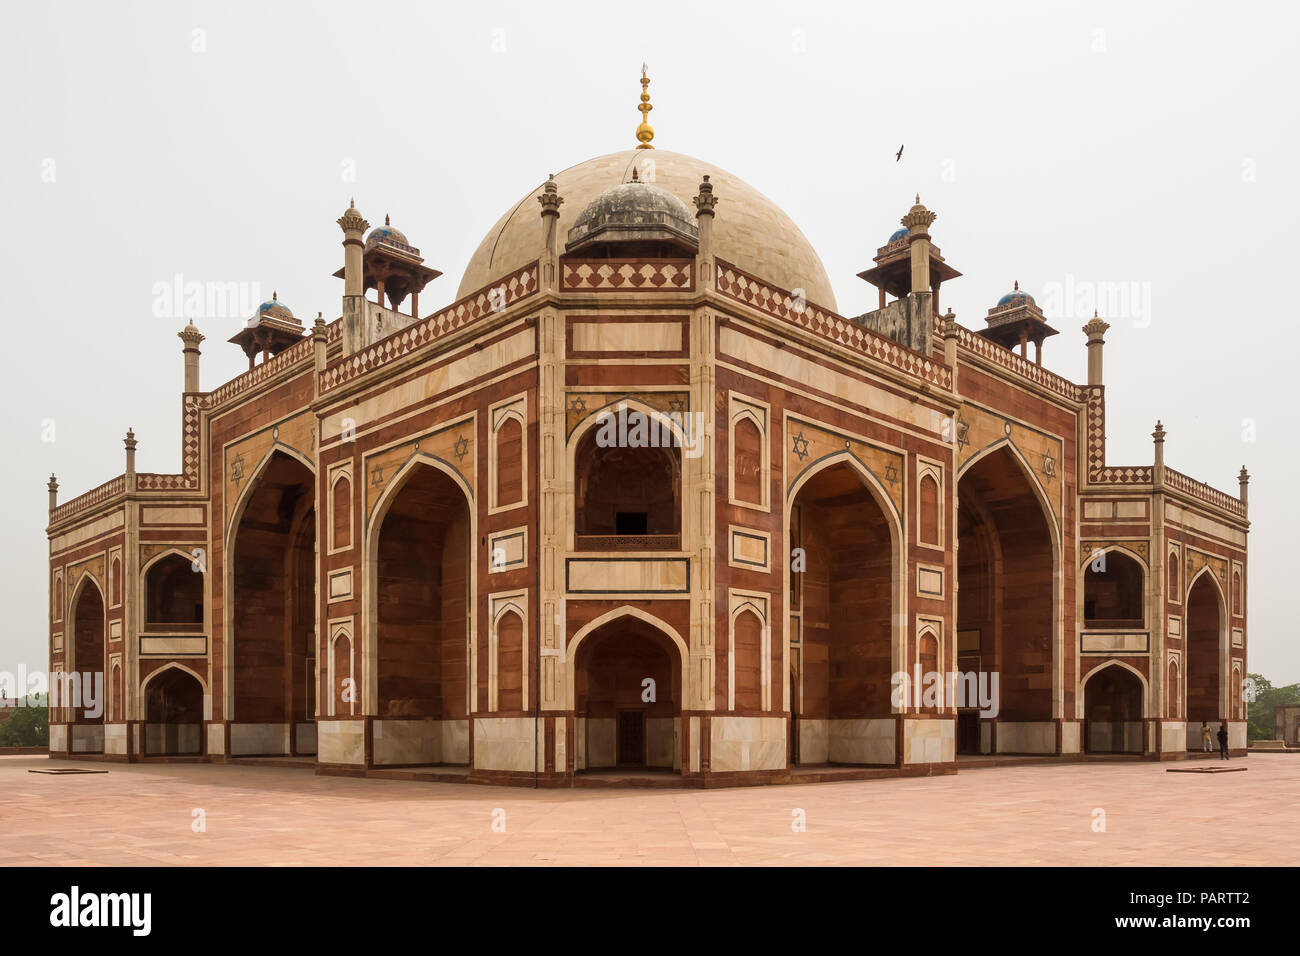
<point x="634" y="211"/>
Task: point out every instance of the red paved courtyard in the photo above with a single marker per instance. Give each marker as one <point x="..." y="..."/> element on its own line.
<point x="143" y="814"/>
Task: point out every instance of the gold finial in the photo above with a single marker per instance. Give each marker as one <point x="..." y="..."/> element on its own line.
<point x="645" y="132"/>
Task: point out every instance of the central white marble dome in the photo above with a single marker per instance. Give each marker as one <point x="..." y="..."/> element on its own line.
<point x="749" y="230"/>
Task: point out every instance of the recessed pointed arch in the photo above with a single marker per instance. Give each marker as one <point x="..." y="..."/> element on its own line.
<point x="1124" y="665"/>
<point x="627" y="486"/>
<point x="250" y="483"/>
<point x="1205" y="629"/>
<point x="420" y="653"/>
<point x="373" y="524"/>
<point x="1114" y="704"/>
<point x="1009" y="586"/>
<point x="626" y="679"/>
<point x="176" y="703"/>
<point x="84" y="697"/>
<point x="172" y="588"/>
<point x="270" y="616"/>
<point x="1114" y="588"/>
<point x="1027" y="470"/>
<point x="852" y="610"/>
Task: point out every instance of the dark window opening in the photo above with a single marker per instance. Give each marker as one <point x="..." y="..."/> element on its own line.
<point x="631" y="522"/>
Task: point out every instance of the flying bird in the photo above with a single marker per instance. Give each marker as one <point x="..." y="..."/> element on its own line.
<point x="900" y="154"/>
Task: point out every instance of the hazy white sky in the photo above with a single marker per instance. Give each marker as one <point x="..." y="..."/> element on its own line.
<point x="1145" y="152"/>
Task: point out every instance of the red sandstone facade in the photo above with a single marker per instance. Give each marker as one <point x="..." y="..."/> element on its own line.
<point x="397" y="543"/>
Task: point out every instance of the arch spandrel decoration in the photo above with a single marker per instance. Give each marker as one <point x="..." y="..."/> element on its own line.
<point x="455" y="444"/>
<point x="185" y="549"/>
<point x="297" y="437"/>
<point x="1088" y="548"/>
<point x="1196" y="560"/>
<point x="807" y="444"/>
<point x="72" y="585"/>
<point x="976" y="429"/>
<point x="578" y="406"/>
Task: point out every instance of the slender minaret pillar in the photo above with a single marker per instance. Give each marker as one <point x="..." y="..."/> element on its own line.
<point x="53" y="488"/>
<point x="130" y="444"/>
<point x="1158" y="436"/>
<point x="705" y="202"/>
<point x="950" y="344"/>
<point x="1095" y="330"/>
<point x="318" y="336"/>
<point x="191" y="336"/>
<point x="1243" y="480"/>
<point x="551" y="201"/>
<point x="918" y="221"/>
<point x="354" y="228"/>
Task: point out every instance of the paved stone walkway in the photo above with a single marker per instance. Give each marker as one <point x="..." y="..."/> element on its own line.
<point x="143" y="815"/>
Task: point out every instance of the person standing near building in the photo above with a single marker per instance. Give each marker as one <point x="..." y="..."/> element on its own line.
<point x="1223" y="741"/>
<point x="1205" y="737"/>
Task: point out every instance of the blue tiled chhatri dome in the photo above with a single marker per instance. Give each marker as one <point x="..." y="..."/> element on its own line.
<point x="1016" y="297"/>
<point x="387" y="234"/>
<point x="898" y="234"/>
<point x="273" y="308"/>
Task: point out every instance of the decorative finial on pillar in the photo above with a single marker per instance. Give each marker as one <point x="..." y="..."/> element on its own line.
<point x="918" y="221"/>
<point x="354" y="226"/>
<point x="1095" y="330"/>
<point x="550" y="201"/>
<point x="352" y="220"/>
<point x="53" y="488"/>
<point x="387" y="221"/>
<point x="704" y="200"/>
<point x="191" y="336"/>
<point x="1243" y="479"/>
<point x="950" y="324"/>
<point x="645" y="132"/>
<point x="1159" y="433"/>
<point x="550" y="197"/>
<point x="319" y="336"/>
<point x="949" y="329"/>
<point x="130" y="443"/>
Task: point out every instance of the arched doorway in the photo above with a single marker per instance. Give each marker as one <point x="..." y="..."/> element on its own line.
<point x="627" y="497"/>
<point x="1203" y="627"/>
<point x="173" y="593"/>
<point x="273" y="618"/>
<point x="842" y="576"/>
<point x="83" y="694"/>
<point x="1114" y="592"/>
<point x="628" y="698"/>
<point x="1113" y="712"/>
<point x="173" y="714"/>
<point x="1006" y="593"/>
<point x="422" y="603"/>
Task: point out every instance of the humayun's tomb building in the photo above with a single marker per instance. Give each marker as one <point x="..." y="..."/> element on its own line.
<point x="412" y="544"/>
